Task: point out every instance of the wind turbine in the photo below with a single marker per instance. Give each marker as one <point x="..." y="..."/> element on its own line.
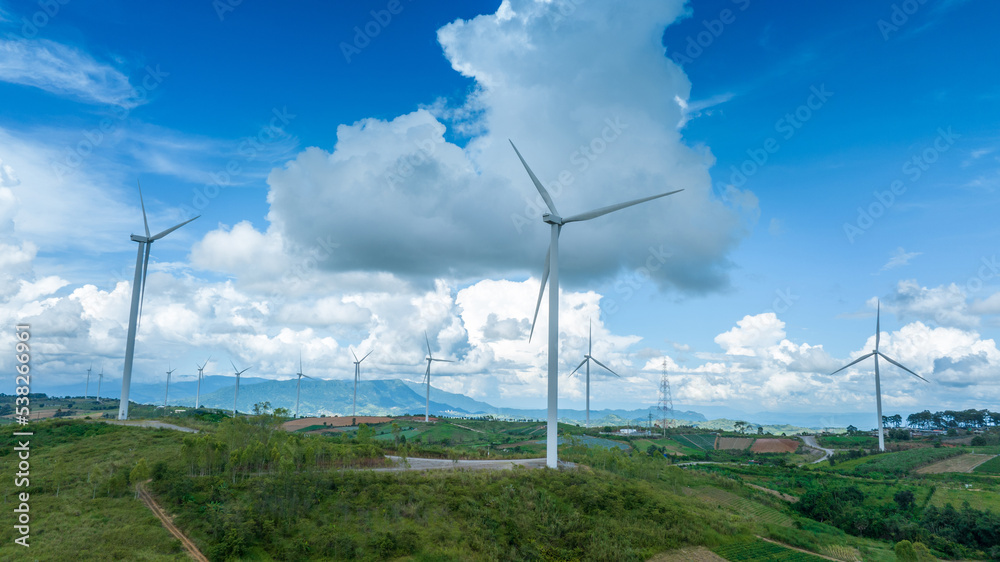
<point x="238" y="373"/>
<point x="357" y="377"/>
<point x="298" y="385"/>
<point x="552" y="271"/>
<point x="878" y="387"/>
<point x="138" y="290"/>
<point x="167" y="392"/>
<point x="427" y="376"/>
<point x="587" y="359"/>
<point x="86" y="392"/>
<point x="197" y="396"/>
<point x="100" y="379"/>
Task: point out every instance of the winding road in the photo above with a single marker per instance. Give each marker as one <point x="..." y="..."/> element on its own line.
<point x="810" y="441"/>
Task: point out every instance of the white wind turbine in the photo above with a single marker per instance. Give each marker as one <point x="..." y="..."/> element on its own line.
<point x="86" y="392"/>
<point x="357" y="377"/>
<point x="197" y="396"/>
<point x="427" y="376"/>
<point x="878" y="387"/>
<point x="587" y="359"/>
<point x="238" y="373"/>
<point x="138" y="289"/>
<point x="100" y="379"/>
<point x="298" y="385"/>
<point x="552" y="271"/>
<point x="167" y="391"/>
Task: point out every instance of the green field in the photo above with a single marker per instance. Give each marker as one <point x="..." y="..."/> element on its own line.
<point x="702" y="441"/>
<point x="758" y="550"/>
<point x="894" y="464"/>
<point x="991" y="466"/>
<point x="847" y="441"/>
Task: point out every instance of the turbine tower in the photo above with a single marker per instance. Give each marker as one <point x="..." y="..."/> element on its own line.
<point x="100" y="379"/>
<point x="167" y="391"/>
<point x="427" y="376"/>
<point x="551" y="270"/>
<point x="138" y="289"/>
<point x="238" y="373"/>
<point x="587" y="359"/>
<point x="357" y="377"/>
<point x="878" y="387"/>
<point x="666" y="405"/>
<point x="86" y="392"/>
<point x="197" y="396"/>
<point x="298" y="385"/>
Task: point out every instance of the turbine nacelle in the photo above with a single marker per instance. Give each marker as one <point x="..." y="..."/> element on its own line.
<point x="552" y="219"/>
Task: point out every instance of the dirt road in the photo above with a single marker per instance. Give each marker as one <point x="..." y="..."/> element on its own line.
<point x="810" y="441"/>
<point x="445" y="464"/>
<point x="191" y="548"/>
<point x="151" y="423"/>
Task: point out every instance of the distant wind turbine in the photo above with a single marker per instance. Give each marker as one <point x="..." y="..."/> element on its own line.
<point x="197" y="396"/>
<point x="100" y="379"/>
<point x="86" y="393"/>
<point x="878" y="387"/>
<point x="587" y="359"/>
<point x="427" y="376"/>
<point x="551" y="270"/>
<point x="138" y="290"/>
<point x="238" y="373"/>
<point x="167" y="391"/>
<point x="298" y="385"/>
<point x="357" y="377"/>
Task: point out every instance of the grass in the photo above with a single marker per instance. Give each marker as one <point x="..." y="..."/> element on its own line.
<point x="991" y="466"/>
<point x="847" y="441"/>
<point x="759" y="550"/>
<point x="894" y="464"/>
<point x="745" y="507"/>
<point x="702" y="441"/>
<point x="977" y="498"/>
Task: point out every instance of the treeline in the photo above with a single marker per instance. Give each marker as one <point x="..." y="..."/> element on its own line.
<point x="959" y="533"/>
<point x="951" y="419"/>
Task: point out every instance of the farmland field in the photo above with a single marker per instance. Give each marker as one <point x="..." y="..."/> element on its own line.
<point x="734" y="443"/>
<point x="775" y="445"/>
<point x="991" y="466"/>
<point x="747" y="508"/>
<point x="895" y="464"/>
<point x="963" y="463"/>
<point x="977" y="498"/>
<point x="703" y="441"/>
<point x="847" y="441"/>
<point x="752" y="551"/>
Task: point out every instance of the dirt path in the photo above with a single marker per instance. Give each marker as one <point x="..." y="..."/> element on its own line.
<point x="446" y="464"/>
<point x="782" y="495"/>
<point x="466" y="427"/>
<point x="810" y="441"/>
<point x="191" y="548"/>
<point x="790" y="547"/>
<point x="151" y="423"/>
<point x="961" y="463"/>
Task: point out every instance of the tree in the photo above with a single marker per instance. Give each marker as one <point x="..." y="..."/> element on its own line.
<point x="760" y="430"/>
<point x="261" y="408"/>
<point x="139" y="475"/>
<point x="905" y="499"/>
<point x="851" y="430"/>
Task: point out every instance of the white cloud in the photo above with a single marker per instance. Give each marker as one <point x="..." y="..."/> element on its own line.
<point x="64" y="71"/>
<point x="945" y="305"/>
<point x="899" y="258"/>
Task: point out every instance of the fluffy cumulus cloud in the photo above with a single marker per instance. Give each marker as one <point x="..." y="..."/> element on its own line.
<point x="945" y="305"/>
<point x="398" y="197"/>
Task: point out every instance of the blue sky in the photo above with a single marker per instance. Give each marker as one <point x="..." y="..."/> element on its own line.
<point x="351" y="166"/>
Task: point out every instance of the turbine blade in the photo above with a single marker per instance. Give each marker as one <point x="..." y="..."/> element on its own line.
<point x="443" y="360"/>
<point x="606" y="367"/>
<point x="538" y="185"/>
<point x="428" y="344"/>
<point x="878" y="329"/>
<point x="856" y="361"/>
<point x="541" y="291"/>
<point x="355" y="356"/>
<point x="367" y="354"/>
<point x="145" y="223"/>
<point x="590" y="337"/>
<point x="427" y="374"/>
<point x="902" y="367"/>
<point x="142" y="285"/>
<point x="169" y="230"/>
<point x="235" y="370"/>
<point x="578" y="367"/>
<point x="612" y="208"/>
